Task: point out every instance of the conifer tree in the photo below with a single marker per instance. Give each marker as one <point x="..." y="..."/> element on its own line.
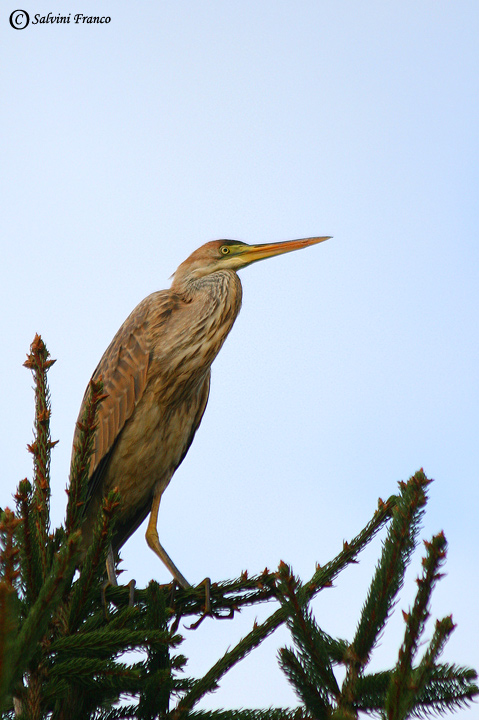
<point x="63" y="634"/>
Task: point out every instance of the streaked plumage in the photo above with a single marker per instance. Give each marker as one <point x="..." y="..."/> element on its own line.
<point x="156" y="374"/>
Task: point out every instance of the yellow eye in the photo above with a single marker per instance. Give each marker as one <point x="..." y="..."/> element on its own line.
<point x="224" y="250"/>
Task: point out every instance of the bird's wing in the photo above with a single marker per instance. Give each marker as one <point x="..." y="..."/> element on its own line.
<point x="123" y="370"/>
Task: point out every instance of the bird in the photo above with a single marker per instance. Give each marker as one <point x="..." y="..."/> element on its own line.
<point x="156" y="382"/>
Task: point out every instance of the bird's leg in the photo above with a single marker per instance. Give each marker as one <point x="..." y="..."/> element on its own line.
<point x="207" y="583"/>
<point x="111" y="580"/>
<point x="131" y="597"/>
<point x="154" y="543"/>
<point x="110" y="568"/>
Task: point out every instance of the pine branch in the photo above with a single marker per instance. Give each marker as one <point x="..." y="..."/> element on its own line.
<point x="9" y="553"/>
<point x="427" y="666"/>
<point x="372" y="690"/>
<point x="268" y="714"/>
<point x="449" y="688"/>
<point x="313" y="648"/>
<point x="39" y="363"/>
<point x="9" y="601"/>
<point x="398" y="693"/>
<point x="83" y="450"/>
<point x="35" y="625"/>
<point x="84" y="593"/>
<point x="209" y="681"/>
<point x="227" y="597"/>
<point x="403" y="689"/>
<point x="93" y="672"/>
<point x="65" y="649"/>
<point x="323" y="577"/>
<point x="313" y="695"/>
<point x="156" y="690"/>
<point x="29" y="545"/>
<point x="127" y="712"/>
<point x="109" y="641"/>
<point x="388" y="579"/>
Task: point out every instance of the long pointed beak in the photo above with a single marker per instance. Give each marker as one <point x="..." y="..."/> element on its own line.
<point x="252" y="253"/>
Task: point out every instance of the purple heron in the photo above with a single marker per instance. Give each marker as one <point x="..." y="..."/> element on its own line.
<point x="156" y="375"/>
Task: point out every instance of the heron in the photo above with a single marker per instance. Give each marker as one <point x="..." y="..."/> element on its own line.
<point x="156" y="378"/>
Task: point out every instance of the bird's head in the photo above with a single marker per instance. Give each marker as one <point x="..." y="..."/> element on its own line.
<point x="232" y="255"/>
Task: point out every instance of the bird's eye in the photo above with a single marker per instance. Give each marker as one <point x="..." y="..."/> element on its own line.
<point x="225" y="250"/>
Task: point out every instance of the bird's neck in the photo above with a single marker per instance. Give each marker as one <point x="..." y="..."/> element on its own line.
<point x="220" y="290"/>
<point x="218" y="297"/>
<point x="206" y="312"/>
<point x="214" y="302"/>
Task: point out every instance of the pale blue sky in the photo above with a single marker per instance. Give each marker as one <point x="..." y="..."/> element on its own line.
<point x="126" y="146"/>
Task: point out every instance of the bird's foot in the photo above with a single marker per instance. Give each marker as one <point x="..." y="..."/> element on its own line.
<point x="207" y="611"/>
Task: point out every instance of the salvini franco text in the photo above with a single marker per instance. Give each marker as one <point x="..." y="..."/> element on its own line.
<point x="78" y="18"/>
